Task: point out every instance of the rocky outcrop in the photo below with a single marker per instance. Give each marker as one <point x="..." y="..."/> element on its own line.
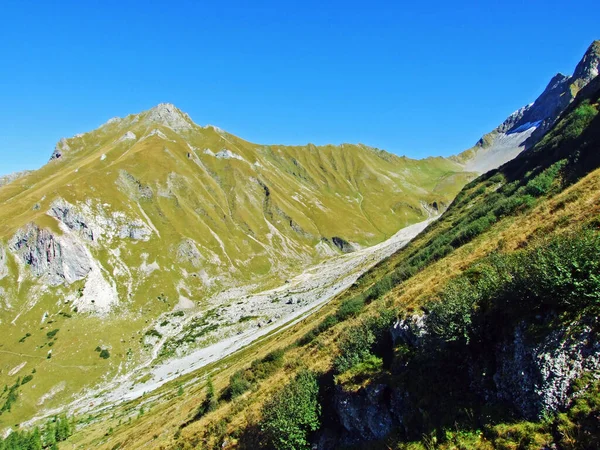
<point x="61" y="148"/>
<point x="66" y="213"/>
<point x="531" y="374"/>
<point x="61" y="259"/>
<point x="343" y="245"/>
<point x="409" y="331"/>
<point x="133" y="187"/>
<point x="187" y="252"/>
<point x="526" y="126"/>
<point x="168" y="115"/>
<point x="129" y="136"/>
<point x="536" y="377"/>
<point x="3" y="262"/>
<point x="365" y="415"/>
<point x="5" y="179"/>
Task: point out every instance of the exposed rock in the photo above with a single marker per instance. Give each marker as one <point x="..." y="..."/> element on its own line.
<point x="365" y="414"/>
<point x="135" y="229"/>
<point x="133" y="187"/>
<point x="3" y="262"/>
<point x="228" y="154"/>
<point x="61" y="259"/>
<point x="536" y="376"/>
<point x="158" y="133"/>
<point x="588" y="67"/>
<point x="526" y="126"/>
<point x="5" y="179"/>
<point x="410" y="331"/>
<point x="168" y="115"/>
<point x="342" y="244"/>
<point x="66" y="213"/>
<point x="187" y="251"/>
<point x="60" y="149"/>
<point x="129" y="136"/>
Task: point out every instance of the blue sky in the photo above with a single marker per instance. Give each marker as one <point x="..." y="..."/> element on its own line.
<point x="417" y="79"/>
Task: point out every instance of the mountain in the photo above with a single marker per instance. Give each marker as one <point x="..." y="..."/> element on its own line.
<point x="526" y="126"/>
<point x="152" y="237"/>
<point x="481" y="333"/>
<point x="174" y="286"/>
<point x="5" y="179"/>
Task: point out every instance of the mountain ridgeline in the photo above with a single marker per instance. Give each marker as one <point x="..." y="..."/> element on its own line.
<point x="526" y="126"/>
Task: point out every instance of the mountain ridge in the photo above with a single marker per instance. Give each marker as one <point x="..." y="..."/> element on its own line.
<point x="525" y="127"/>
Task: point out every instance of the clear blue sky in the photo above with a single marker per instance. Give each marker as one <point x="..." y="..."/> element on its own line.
<point x="425" y="78"/>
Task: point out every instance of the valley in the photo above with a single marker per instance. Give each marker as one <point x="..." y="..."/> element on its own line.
<point x="165" y="284"/>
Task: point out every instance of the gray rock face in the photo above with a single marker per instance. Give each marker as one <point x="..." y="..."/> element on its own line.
<point x="365" y="414"/>
<point x="187" y="251"/>
<point x="60" y="149"/>
<point x="525" y="127"/>
<point x="133" y="187"/>
<point x="136" y="230"/>
<point x="65" y="212"/>
<point x="536" y="377"/>
<point x="410" y="331"/>
<point x="5" y="179"/>
<point x="3" y="263"/>
<point x="342" y="244"/>
<point x="168" y="115"/>
<point x="588" y="67"/>
<point x="61" y="259"/>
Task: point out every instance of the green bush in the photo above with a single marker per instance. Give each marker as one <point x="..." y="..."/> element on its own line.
<point x="355" y="347"/>
<point x="104" y="354"/>
<point x="350" y="308"/>
<point x="51" y="334"/>
<point x="238" y="384"/>
<point x="292" y="414"/>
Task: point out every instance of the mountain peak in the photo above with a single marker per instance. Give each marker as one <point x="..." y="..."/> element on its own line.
<point x="588" y="67"/>
<point x="170" y="116"/>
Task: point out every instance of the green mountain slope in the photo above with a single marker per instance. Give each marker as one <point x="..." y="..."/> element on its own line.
<point x="143" y="228"/>
<point x="481" y="333"/>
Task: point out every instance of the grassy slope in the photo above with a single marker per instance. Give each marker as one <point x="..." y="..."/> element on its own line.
<point x="361" y="194"/>
<point x="569" y="200"/>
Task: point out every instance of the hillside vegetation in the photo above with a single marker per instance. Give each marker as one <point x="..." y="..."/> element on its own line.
<point x="143" y="240"/>
<point x="481" y="333"/>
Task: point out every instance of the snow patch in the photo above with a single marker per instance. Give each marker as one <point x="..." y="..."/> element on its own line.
<point x="525" y="127"/>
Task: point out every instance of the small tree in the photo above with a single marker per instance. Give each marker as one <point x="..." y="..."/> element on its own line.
<point x="292" y="413"/>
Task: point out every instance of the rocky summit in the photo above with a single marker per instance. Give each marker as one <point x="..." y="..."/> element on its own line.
<point x="526" y="126"/>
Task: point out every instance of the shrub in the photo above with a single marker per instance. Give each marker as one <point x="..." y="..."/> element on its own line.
<point x="542" y="183"/>
<point x="350" y="308"/>
<point x="51" y="334"/>
<point x="355" y="347"/>
<point x="104" y="354"/>
<point x="238" y="384"/>
<point x="209" y="403"/>
<point x="292" y="414"/>
<point x="450" y="318"/>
